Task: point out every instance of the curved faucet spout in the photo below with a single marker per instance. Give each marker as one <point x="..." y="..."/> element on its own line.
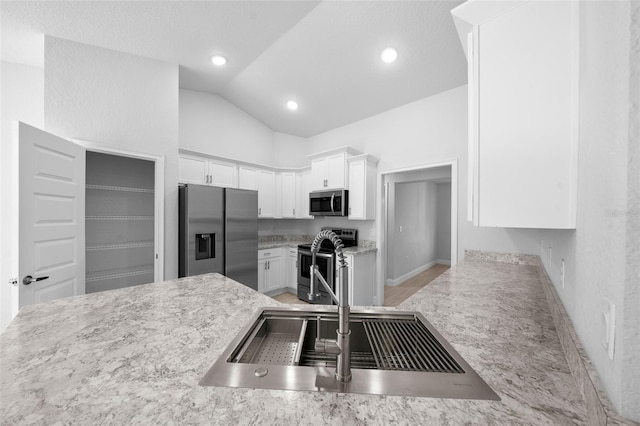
<point x="343" y="342"/>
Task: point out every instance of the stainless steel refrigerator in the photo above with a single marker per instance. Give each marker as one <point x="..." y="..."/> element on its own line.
<point x="218" y="232"/>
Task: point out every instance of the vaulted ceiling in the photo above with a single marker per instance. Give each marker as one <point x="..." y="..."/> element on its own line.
<point x="323" y="54"/>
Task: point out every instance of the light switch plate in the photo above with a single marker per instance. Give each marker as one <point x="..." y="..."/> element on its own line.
<point x="609" y="327"/>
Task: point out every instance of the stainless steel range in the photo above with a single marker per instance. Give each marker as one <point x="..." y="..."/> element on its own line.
<point x="325" y="259"/>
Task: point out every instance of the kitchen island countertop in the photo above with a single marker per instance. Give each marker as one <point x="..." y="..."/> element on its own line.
<point x="135" y="356"/>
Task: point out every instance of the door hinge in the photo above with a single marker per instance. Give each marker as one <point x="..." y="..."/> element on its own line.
<point x="13" y="281"/>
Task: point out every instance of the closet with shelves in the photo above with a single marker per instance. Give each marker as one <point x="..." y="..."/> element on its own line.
<point x="119" y="222"/>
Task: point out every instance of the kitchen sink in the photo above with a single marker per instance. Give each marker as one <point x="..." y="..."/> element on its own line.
<point x="392" y="353"/>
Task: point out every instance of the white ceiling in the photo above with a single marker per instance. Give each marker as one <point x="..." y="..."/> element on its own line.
<point x="325" y="55"/>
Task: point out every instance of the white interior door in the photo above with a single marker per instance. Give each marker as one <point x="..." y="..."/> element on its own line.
<point x="52" y="210"/>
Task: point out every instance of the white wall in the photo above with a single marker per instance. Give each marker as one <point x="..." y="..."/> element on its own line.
<point x="291" y="151"/>
<point x="412" y="243"/>
<point x="425" y="132"/>
<point x="22" y="98"/>
<point x="121" y="101"/>
<point x="443" y="221"/>
<point x="602" y="255"/>
<point x="210" y="124"/>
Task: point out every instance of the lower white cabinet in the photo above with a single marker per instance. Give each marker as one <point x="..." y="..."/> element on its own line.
<point x="292" y="268"/>
<point x="270" y="270"/>
<point x="362" y="278"/>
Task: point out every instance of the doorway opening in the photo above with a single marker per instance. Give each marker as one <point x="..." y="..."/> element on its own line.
<point x="418" y="229"/>
<point x="119" y="222"/>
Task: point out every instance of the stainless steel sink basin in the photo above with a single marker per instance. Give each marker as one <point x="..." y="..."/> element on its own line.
<point x="392" y="353"/>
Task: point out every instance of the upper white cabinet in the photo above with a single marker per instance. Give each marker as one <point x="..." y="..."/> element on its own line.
<point x="289" y="195"/>
<point x="362" y="187"/>
<point x="294" y="194"/>
<point x="263" y="181"/>
<point x="329" y="168"/>
<point x="267" y="194"/>
<point x="247" y="178"/>
<point x="328" y="172"/>
<point x="205" y="171"/>
<point x="523" y="112"/>
<point x="303" y="187"/>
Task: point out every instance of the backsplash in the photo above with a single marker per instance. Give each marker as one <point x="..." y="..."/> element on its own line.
<point x="283" y="238"/>
<point x="366" y="244"/>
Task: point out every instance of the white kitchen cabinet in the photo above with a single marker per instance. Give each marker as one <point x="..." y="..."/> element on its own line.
<point x="248" y="178"/>
<point x="303" y="187"/>
<point x="523" y="85"/>
<point x="193" y="170"/>
<point x="270" y="270"/>
<point x="362" y="278"/>
<point x="263" y="181"/>
<point x="292" y="267"/>
<point x="329" y="172"/>
<point x="362" y="187"/>
<point x="329" y="168"/>
<point x="266" y="193"/>
<point x="294" y="194"/>
<point x="289" y="195"/>
<point x="204" y="171"/>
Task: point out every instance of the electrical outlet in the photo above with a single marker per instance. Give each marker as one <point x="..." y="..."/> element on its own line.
<point x="562" y="270"/>
<point x="400" y="228"/>
<point x="372" y="232"/>
<point x="609" y="327"/>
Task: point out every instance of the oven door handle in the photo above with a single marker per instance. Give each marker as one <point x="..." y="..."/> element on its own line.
<point x="322" y="255"/>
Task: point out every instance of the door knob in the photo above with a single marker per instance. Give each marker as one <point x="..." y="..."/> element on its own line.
<point x="29" y="279"/>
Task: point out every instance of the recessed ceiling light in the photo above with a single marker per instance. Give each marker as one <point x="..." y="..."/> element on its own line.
<point x="218" y="60"/>
<point x="389" y="55"/>
<point x="292" y="105"/>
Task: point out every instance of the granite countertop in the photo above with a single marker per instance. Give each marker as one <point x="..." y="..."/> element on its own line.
<point x="135" y="356"/>
<point x="292" y="241"/>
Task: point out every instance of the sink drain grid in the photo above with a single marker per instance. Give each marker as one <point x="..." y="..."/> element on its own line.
<point x="407" y="345"/>
<point x="274" y="349"/>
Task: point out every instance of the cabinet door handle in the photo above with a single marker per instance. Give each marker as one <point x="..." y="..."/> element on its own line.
<point x="349" y="211"/>
<point x="268" y="265"/>
<point x="259" y="211"/>
<point x="294" y="212"/>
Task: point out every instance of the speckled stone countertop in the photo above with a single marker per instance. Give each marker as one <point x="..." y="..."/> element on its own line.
<point x="135" y="355"/>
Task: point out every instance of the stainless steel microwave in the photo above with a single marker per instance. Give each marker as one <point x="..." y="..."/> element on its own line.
<point x="329" y="203"/>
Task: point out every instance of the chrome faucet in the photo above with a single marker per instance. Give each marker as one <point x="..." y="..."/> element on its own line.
<point x="342" y="345"/>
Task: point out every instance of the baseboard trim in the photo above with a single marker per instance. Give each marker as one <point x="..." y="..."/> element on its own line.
<point x="396" y="281"/>
<point x="443" y="262"/>
<point x="600" y="411"/>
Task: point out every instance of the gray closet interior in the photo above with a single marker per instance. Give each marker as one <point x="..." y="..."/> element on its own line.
<point x="119" y="222"/>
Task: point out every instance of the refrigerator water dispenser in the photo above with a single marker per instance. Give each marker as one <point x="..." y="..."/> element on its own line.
<point x="205" y="247"/>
